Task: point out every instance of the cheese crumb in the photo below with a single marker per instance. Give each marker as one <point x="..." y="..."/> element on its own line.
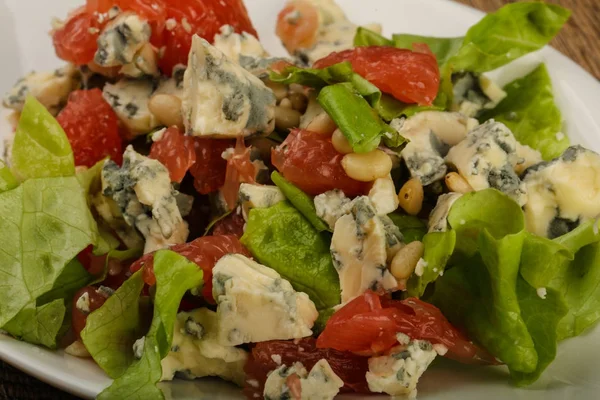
<point x="560" y="136"/>
<point x="253" y="382"/>
<point x="462" y="222"/>
<point x="157" y="136"/>
<point x="83" y="303"/>
<point x="440" y="349"/>
<point x="170" y="24"/>
<point x="186" y="25"/>
<point x="420" y="268"/>
<point x="402" y="338"/>
<point x="138" y="347"/>
<point x="541" y="292"/>
<point x="276" y="358"/>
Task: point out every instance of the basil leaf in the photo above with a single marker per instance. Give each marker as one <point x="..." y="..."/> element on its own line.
<point x="281" y="238"/>
<point x="303" y="202"/>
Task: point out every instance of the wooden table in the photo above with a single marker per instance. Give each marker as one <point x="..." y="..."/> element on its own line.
<point x="579" y="40"/>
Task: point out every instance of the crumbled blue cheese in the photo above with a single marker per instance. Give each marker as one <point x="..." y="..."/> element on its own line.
<point x="142" y="190"/>
<point x="52" y="89"/>
<point x="321" y="383"/>
<point x="144" y="63"/>
<point x="383" y="195"/>
<point x="438" y="219"/>
<point x="431" y="134"/>
<point x="359" y="251"/>
<point x="486" y="158"/>
<point x="234" y="45"/>
<point x="121" y="39"/>
<point x="138" y="347"/>
<point x="258" y="196"/>
<point x="526" y="157"/>
<point x="562" y="193"/>
<point x="472" y="93"/>
<point x="196" y="351"/>
<point x="332" y="205"/>
<point x="83" y="303"/>
<point x="255" y="304"/>
<point x="222" y="99"/>
<point x="398" y="372"/>
<point x="542" y="292"/>
<point x="129" y="99"/>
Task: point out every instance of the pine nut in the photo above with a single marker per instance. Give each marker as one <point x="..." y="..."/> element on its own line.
<point x="411" y="196"/>
<point x="299" y="101"/>
<point x="322" y="124"/>
<point x="285" y="103"/>
<point x="456" y="183"/>
<point x="279" y="89"/>
<point x="404" y="262"/>
<point x="77" y="349"/>
<point x="167" y="109"/>
<point x="340" y="143"/>
<point x="366" y="167"/>
<point x="286" y="118"/>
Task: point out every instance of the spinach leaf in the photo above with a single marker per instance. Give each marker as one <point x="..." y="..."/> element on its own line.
<point x="281" y="238"/>
<point x="531" y="114"/>
<point x="40" y="148"/>
<point x="303" y="202"/>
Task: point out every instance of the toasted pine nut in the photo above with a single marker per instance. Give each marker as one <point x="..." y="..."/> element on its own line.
<point x="286" y="118"/>
<point x="279" y="89"/>
<point x="285" y="103"/>
<point x="411" y="196"/>
<point x="167" y="109"/>
<point x="456" y="183"/>
<point x="340" y="143"/>
<point x="366" y="167"/>
<point x="404" y="262"/>
<point x="299" y="101"/>
<point x="322" y="124"/>
<point x="77" y="349"/>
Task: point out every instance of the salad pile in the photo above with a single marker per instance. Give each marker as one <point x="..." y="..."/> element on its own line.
<point x="176" y="202"/>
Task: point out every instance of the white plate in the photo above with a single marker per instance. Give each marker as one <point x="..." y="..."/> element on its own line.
<point x="576" y="372"/>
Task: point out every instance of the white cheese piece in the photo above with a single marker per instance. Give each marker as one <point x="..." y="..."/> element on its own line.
<point x="383" y="195"/>
<point x="398" y="372"/>
<point x="174" y="84"/>
<point x="472" y="93"/>
<point x="144" y="63"/>
<point x="542" y="292"/>
<point x="129" y="99"/>
<point x="321" y="383"/>
<point x="485" y="158"/>
<point x="52" y="89"/>
<point x="359" y="252"/>
<point x="234" y="45"/>
<point x="121" y="39"/>
<point x="562" y="193"/>
<point x="196" y="351"/>
<point x="526" y="157"/>
<point x="111" y="214"/>
<point x="83" y="303"/>
<point x="258" y="196"/>
<point x="255" y="304"/>
<point x="222" y="99"/>
<point x="138" y="347"/>
<point x="438" y="219"/>
<point x="493" y="92"/>
<point x="332" y="205"/>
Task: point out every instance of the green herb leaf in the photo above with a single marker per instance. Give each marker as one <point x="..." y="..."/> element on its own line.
<point x="41" y="148"/>
<point x="303" y="202"/>
<point x="281" y="238"/>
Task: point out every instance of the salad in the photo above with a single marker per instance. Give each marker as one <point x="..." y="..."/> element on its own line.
<point x="175" y="202"/>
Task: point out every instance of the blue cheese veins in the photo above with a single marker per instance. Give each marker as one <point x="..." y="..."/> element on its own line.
<point x="321" y="383"/>
<point x="222" y="99"/>
<point x="142" y="190"/>
<point x="331" y="206"/>
<point x="562" y="193"/>
<point x="196" y="351"/>
<point x="258" y="196"/>
<point x="472" y="93"/>
<point x="234" y="45"/>
<point x="438" y="219"/>
<point x="121" y="39"/>
<point x="255" y="304"/>
<point x="129" y="98"/>
<point x="397" y="373"/>
<point x="486" y="158"/>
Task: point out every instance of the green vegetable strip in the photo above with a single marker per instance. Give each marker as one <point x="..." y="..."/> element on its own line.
<point x="303" y="202"/>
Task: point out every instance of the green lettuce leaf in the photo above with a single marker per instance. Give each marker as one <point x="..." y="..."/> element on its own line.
<point x="39" y="324"/>
<point x="411" y="227"/>
<point x="7" y="179"/>
<point x="72" y="278"/>
<point x="40" y="148"/>
<point x="281" y="238"/>
<point x="443" y="48"/>
<point x="303" y="202"/>
<point x="531" y="114"/>
<point x="366" y="37"/>
<point x="111" y="330"/>
<point x="175" y="275"/>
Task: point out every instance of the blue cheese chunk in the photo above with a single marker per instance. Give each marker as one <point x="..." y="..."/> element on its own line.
<point x="129" y="99"/>
<point x="234" y="45"/>
<point x="486" y="158"/>
<point x="144" y="63"/>
<point x="321" y="383"/>
<point x="438" y="219"/>
<point x="383" y="195"/>
<point x="258" y="196"/>
<point x="222" y="99"/>
<point x="431" y="134"/>
<point x="196" y="351"/>
<point x="52" y="89"/>
<point x="397" y="373"/>
<point x="359" y="252"/>
<point x="526" y="157"/>
<point x="121" y="39"/>
<point x="563" y="193"/>
<point x="472" y="93"/>
<point x="255" y="304"/>
<point x="332" y="205"/>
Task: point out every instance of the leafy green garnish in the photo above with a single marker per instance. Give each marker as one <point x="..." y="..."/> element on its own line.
<point x="7" y="179"/>
<point x="531" y="114"/>
<point x="175" y="275"/>
<point x="281" y="238"/>
<point x="40" y="148"/>
<point x="39" y="324"/>
<point x="411" y="227"/>
<point x="366" y="37"/>
<point x="443" y="48"/>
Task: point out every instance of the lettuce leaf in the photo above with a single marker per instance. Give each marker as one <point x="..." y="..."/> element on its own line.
<point x="7" y="179"/>
<point x="531" y="114"/>
<point x="443" y="48"/>
<point x="303" y="202"/>
<point x="40" y="148"/>
<point x="175" y="275"/>
<point x="366" y="37"/>
<point x="281" y="238"/>
<point x="411" y="227"/>
<point x="39" y="324"/>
